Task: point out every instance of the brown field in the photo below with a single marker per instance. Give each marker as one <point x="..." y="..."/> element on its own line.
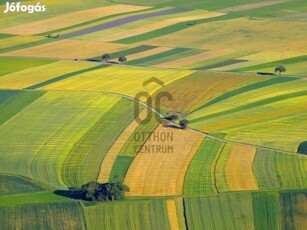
<point x="69" y="49"/>
<point x="239" y="169"/>
<point x="70" y="19"/>
<point x="108" y="161"/>
<point x="160" y="174"/>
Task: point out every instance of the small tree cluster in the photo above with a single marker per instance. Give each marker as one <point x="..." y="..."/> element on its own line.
<point x="183" y="123"/>
<point x="107" y="56"/>
<point x="94" y="191"/>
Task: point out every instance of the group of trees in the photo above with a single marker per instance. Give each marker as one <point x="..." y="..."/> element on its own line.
<point x="106" y="57"/>
<point x="110" y="191"/>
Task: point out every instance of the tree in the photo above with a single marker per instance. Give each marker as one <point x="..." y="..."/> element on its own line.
<point x="280" y="69"/>
<point x="122" y="59"/>
<point x="104" y="192"/>
<point x="183" y="123"/>
<point x="106" y="57"/>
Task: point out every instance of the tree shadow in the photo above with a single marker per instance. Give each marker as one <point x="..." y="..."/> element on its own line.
<point x="72" y="193"/>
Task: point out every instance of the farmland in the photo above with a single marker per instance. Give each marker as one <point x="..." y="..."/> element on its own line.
<point x="195" y="122"/>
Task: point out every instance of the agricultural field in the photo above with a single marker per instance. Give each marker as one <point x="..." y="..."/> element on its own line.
<point x="177" y="103"/>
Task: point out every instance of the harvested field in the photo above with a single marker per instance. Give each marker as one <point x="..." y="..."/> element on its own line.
<point x="239" y="169"/>
<point x="159" y="168"/>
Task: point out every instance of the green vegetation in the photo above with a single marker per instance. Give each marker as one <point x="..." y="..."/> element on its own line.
<point x="16" y="184"/>
<point x="65" y="215"/>
<point x="199" y="178"/>
<point x="65" y="76"/>
<point x="293" y="209"/>
<point x="216" y="212"/>
<point x="83" y="162"/>
<point x="247" y="88"/>
<point x="265" y="169"/>
<point x="17" y="103"/>
<point x="13" y="64"/>
<point x="121" y="166"/>
<point x="110" y="191"/>
<point x="138" y="214"/>
<point x="266" y="210"/>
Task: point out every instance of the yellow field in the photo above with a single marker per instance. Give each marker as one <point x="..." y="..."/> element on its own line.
<point x="69" y="48"/>
<point x="111" y="80"/>
<point x="239" y="169"/>
<point x="257" y="95"/>
<point x="117" y="33"/>
<point x="172" y="214"/>
<point x="108" y="161"/>
<point x="160" y="174"/>
<point x="18" y="40"/>
<point x="70" y="19"/>
<point x="264" y="57"/>
<point x="241" y="34"/>
<point x="32" y="76"/>
<point x="196" y="90"/>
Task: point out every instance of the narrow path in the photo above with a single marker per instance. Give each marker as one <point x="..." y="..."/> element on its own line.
<point x="173" y="123"/>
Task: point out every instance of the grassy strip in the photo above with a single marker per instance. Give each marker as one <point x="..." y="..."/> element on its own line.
<point x="273" y="64"/>
<point x="252" y="105"/>
<point x="245" y="89"/>
<point x="139" y="215"/>
<point x="84" y="161"/>
<point x="32" y="198"/>
<point x="227" y="211"/>
<point x="265" y="169"/>
<point x="16" y="184"/>
<point x="13" y="64"/>
<point x="27" y="45"/>
<point x="43" y="215"/>
<point x="266" y="210"/>
<point x="6" y="35"/>
<point x="171" y="29"/>
<point x="17" y="103"/>
<point x="6" y="95"/>
<point x="65" y="76"/>
<point x="199" y="178"/>
<point x="121" y="166"/>
<point x="159" y="56"/>
<point x="220" y="64"/>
